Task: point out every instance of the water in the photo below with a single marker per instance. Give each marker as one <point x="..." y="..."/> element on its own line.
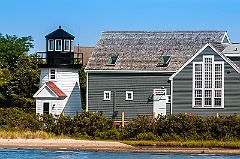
<point x="53" y="154"/>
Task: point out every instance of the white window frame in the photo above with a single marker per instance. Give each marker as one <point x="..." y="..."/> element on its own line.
<point x="69" y="45"/>
<point x="204" y="88"/>
<point x="49" y="44"/>
<point x="107" y="95"/>
<point x="72" y="45"/>
<point x="56" y="49"/>
<point x="50" y="74"/>
<point x="127" y="93"/>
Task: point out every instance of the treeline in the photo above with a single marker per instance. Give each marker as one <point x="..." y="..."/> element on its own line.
<point x="19" y="75"/>
<point x="87" y="125"/>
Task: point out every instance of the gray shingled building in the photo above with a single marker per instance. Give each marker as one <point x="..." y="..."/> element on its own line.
<point x="166" y="72"/>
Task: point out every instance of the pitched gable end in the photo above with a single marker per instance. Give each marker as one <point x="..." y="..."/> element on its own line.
<point x="225" y="39"/>
<point x="49" y="90"/>
<point x="201" y="50"/>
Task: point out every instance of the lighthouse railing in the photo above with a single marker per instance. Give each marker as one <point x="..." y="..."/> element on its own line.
<point x="60" y="58"/>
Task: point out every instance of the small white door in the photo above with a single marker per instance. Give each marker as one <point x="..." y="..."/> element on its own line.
<point x="159" y="101"/>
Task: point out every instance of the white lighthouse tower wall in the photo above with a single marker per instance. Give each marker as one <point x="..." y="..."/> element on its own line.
<point x="67" y="80"/>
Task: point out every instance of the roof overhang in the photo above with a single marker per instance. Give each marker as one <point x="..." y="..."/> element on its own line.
<point x="232" y="55"/>
<point x="130" y="71"/>
<point x="50" y="90"/>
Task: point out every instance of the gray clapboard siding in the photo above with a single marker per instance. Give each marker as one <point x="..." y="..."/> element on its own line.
<point x="142" y="86"/>
<point x="236" y="60"/>
<point x="182" y="91"/>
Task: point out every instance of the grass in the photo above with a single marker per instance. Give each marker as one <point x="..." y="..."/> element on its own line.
<point x="28" y="135"/>
<point x="187" y="144"/>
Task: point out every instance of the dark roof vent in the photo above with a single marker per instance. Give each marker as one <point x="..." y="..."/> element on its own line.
<point x="112" y="61"/>
<point x="164" y="61"/>
<point x="60" y="27"/>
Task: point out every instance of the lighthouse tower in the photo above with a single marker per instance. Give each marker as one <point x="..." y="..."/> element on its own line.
<point x="59" y="91"/>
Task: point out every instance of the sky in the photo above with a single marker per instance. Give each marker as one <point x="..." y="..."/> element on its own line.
<point x="86" y="19"/>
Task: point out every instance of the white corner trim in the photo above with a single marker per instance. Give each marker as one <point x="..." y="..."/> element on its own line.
<point x="171" y="83"/>
<point x="87" y="92"/>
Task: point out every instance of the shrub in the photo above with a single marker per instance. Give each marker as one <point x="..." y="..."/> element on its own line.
<point x="146" y="136"/>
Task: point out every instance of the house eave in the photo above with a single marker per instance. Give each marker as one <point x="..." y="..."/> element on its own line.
<point x="130" y="71"/>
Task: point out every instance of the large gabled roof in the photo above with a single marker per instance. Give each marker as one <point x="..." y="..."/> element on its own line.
<point x="142" y="50"/>
<point x="59" y="33"/>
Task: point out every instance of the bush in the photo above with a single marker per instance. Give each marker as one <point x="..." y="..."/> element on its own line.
<point x="146" y="136"/>
<point x="182" y="127"/>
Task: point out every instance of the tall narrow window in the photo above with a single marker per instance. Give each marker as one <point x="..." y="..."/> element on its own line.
<point x="208" y="83"/>
<point x="58" y="45"/>
<point x="50" y="45"/>
<point x="52" y="74"/>
<point x="72" y="45"/>
<point x="66" y="45"/>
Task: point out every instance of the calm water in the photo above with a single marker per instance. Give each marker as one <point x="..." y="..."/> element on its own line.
<point x="38" y="153"/>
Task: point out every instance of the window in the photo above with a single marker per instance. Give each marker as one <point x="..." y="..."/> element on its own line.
<point x="129" y="95"/>
<point x="208" y="83"/>
<point x="50" y="45"/>
<point x="112" y="60"/>
<point x="164" y="61"/>
<point x="52" y="74"/>
<point x="107" y="95"/>
<point x="72" y="45"/>
<point x="58" y="45"/>
<point x="66" y="45"/>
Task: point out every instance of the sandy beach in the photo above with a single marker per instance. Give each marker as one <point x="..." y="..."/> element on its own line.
<point x="88" y="145"/>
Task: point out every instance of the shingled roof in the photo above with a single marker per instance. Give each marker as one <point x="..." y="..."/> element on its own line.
<point x="142" y="50"/>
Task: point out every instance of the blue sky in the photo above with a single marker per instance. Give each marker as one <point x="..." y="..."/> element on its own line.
<point x="86" y="19"/>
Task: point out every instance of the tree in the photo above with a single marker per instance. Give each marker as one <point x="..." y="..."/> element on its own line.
<point x="18" y="91"/>
<point x="12" y="48"/>
<point x="82" y="79"/>
<point x="19" y="77"/>
<point x="5" y="78"/>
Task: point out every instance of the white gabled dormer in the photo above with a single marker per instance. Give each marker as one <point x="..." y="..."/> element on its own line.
<point x="225" y="39"/>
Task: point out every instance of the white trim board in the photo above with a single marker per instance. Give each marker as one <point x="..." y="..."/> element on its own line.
<point x="129" y="71"/>
<point x="44" y="87"/>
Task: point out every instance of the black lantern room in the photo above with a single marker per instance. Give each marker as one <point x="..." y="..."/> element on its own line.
<point x="60" y="51"/>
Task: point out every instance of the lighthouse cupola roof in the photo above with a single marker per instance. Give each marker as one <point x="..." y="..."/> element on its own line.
<point x="59" y="33"/>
